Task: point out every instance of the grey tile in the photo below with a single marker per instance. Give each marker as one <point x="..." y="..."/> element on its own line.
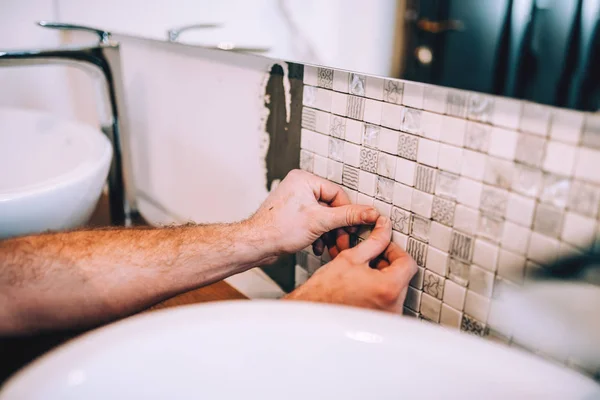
<point x="413" y="298"/>
<point x="499" y="172"/>
<point x="433" y="284"/>
<point x="409" y="313"/>
<point x="584" y="199"/>
<point x="417" y="279"/>
<point x="417" y="250"/>
<point x="425" y="178"/>
<point x="528" y="180"/>
<point x="490" y="227"/>
<point x="480" y="107"/>
<point x="493" y="201"/>
<point x="456" y="103"/>
<point x="350" y="177"/>
<point x="458" y="271"/>
<point x="336" y="149"/>
<point x="555" y="190"/>
<point x="411" y="121"/>
<point x="472" y="326"/>
<point x="530" y="149"/>
<point x="357" y="84"/>
<point x="306" y="161"/>
<point x="548" y="220"/>
<point x="443" y="210"/>
<point x="461" y="246"/>
<point x="591" y="131"/>
<point x="337" y="127"/>
<point x="447" y="185"/>
<point x="356" y="107"/>
<point x="385" y="189"/>
<point x="302" y="259"/>
<point x="309" y="118"/>
<point x="407" y="146"/>
<point x="368" y="160"/>
<point x="400" y="220"/>
<point x="392" y="91"/>
<point x="477" y="137"/>
<point x="370" y="135"/>
<point x="325" y="78"/>
<point x="419" y="228"/>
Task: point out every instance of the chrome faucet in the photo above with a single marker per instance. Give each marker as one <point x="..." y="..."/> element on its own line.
<point x="102" y="60"/>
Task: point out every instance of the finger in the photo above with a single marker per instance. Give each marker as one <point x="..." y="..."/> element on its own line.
<point x="341" y="242"/>
<point x="380" y="263"/>
<point x="339" y="217"/>
<point x="401" y="267"/>
<point x="318" y="247"/>
<point x="329" y="192"/>
<point x="376" y="243"/>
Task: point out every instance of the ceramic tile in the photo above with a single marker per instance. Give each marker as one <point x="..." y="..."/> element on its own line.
<point x="519" y="209"/>
<point x="584" y="199"/>
<point x="454" y="295"/>
<point x="407" y="312"/>
<point x="560" y="158"/>
<point x="535" y="119"/>
<point x="450" y="317"/>
<point x="392" y="91"/>
<point x="473" y="327"/>
<point x="480" y="107"/>
<point x="485" y="254"/>
<point x="384" y="208"/>
<point x="320" y="166"/>
<point x="515" y="237"/>
<point x="340" y="81"/>
<point x="314" y="142"/>
<point x="566" y="126"/>
<point x="307" y="160"/>
<point x="447" y="185"/>
<point x="323" y="99"/>
<point x="528" y="180"/>
<point x="507" y="113"/>
<point x="352" y="154"/>
<point x="336" y="149"/>
<point x="433" y="284"/>
<point x="591" y="131"/>
<point x="309" y="96"/>
<point x="302" y="260"/>
<point x="402" y="196"/>
<point x="310" y="75"/>
<point x="413" y="299"/>
<point x="461" y="246"/>
<point x="494" y="200"/>
<point x="425" y="178"/>
<point x="419" y="228"/>
<point x="373" y="111"/>
<point x="499" y="172"/>
<point x="405" y="171"/>
<point x="431" y="125"/>
<point x="339" y="103"/>
<point x="407" y="146"/>
<point x="417" y="250"/>
<point x="555" y="190"/>
<point x="385" y="189"/>
<point x="386" y="165"/>
<point x="532" y="269"/>
<point x="356" y="107"/>
<point x="469" y="192"/>
<point x="542" y="249"/>
<point x="364" y="231"/>
<point x="511" y="266"/>
<point x="427" y="152"/>
<point x="334" y="171"/>
<point x="568" y="250"/>
<point x="481" y="281"/>
<point x="473" y="165"/>
<point x="312" y="264"/>
<point x="477" y="137"/>
<point x="367" y="183"/>
<point x="354" y="131"/>
<point x="443" y="211"/>
<point x="421" y="203"/>
<point x="578" y="230"/>
<point x="586" y="166"/>
<point x="417" y="279"/>
<point x="440" y="236"/>
<point x="391" y="116"/>
<point x="350" y="177"/>
<point x="454" y="131"/>
<point x="466" y="219"/>
<point x="368" y="160"/>
<point x="477" y="305"/>
<point x="374" y="88"/>
<point x="430" y="307"/>
<point x="434" y="99"/>
<point x="413" y="94"/>
<point x="325" y="78"/>
<point x="388" y="141"/>
<point x="450" y="158"/>
<point x="458" y="271"/>
<point x="548" y="220"/>
<point x="456" y="103"/>
<point x="364" y="199"/>
<point x="357" y="84"/>
<point x="400" y="239"/>
<point x="530" y="149"/>
<point x="337" y="127"/>
<point x="400" y="220"/>
<point x="411" y="121"/>
<point x="352" y="194"/>
<point x="503" y="143"/>
<point x="437" y="260"/>
<point x="370" y="136"/>
<point x="309" y="118"/>
<point x="490" y="227"/>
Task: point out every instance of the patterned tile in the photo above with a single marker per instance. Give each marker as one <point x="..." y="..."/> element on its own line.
<point x="368" y="160"/>
<point x="357" y="84"/>
<point x="350" y="177"/>
<point x="456" y="104"/>
<point x="325" y="78"/>
<point x="425" y="178"/>
<point x="400" y="220"/>
<point x="417" y="250"/>
<point x="419" y="228"/>
<point x="472" y="326"/>
<point x="407" y="146"/>
<point x="392" y="91"/>
<point x="337" y="128"/>
<point x="356" y="107"/>
<point x="309" y="118"/>
<point x="433" y="284"/>
<point x="461" y="246"/>
<point x="443" y="211"/>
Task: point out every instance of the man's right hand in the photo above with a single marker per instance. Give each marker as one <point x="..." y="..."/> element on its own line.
<point x="349" y="279"/>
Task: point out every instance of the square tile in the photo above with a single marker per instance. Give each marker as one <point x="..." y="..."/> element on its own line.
<point x="466" y="219"/>
<point x="485" y="254"/>
<point x="400" y="220"/>
<point x="373" y="111"/>
<point x="454" y="131"/>
<point x="368" y="160"/>
<point x="477" y="137"/>
<point x="437" y="260"/>
<point x="339" y="103"/>
<point x="507" y="112"/>
<point x="388" y="141"/>
<point x="431" y="125"/>
<point x="400" y="239"/>
<point x="555" y="190"/>
<point x="542" y="249"/>
<point x="314" y="142"/>
<point x="383" y="208"/>
<point x="450" y="317"/>
<point x="454" y="295"/>
<point x="386" y="165"/>
<point x="515" y="237"/>
<point x="447" y="185"/>
<point x="548" y="220"/>
<point x="367" y="183"/>
<point x="560" y="158"/>
<point x="354" y="131"/>
<point x="407" y="146"/>
<point x="586" y="166"/>
<point x="477" y="305"/>
<point x="334" y="171"/>
<point x="566" y="126"/>
<point x="535" y="119"/>
<point x="433" y="284"/>
<point x="461" y="246"/>
<point x="365" y="200"/>
<point x="325" y="78"/>
<point x="417" y="279"/>
<point x="310" y="75"/>
<point x="407" y="312"/>
<point x="511" y="266"/>
<point x="490" y="227"/>
<point x="469" y="192"/>
<point x="480" y="107"/>
<point x="458" y="271"/>
<point x="413" y="94"/>
<point x="385" y="189"/>
<point x="473" y="165"/>
<point x="392" y="91"/>
<point x="309" y="118"/>
<point x="336" y="149"/>
<point x="350" y="177"/>
<point x="584" y="199"/>
<point x="578" y="230"/>
<point x="411" y="121"/>
<point x="434" y="99"/>
<point x="591" y="131"/>
<point x="352" y="154"/>
<point x="413" y="299"/>
<point x="320" y="166"/>
<point x="527" y="180"/>
<point x="306" y="161"/>
<point x="419" y="228"/>
<point x="309" y="96"/>
<point x="481" y="281"/>
<point x="473" y="327"/>
<point x="456" y="103"/>
<point x="374" y="88"/>
<point x="337" y="127"/>
<point x="443" y="211"/>
<point x="340" y="81"/>
<point x="503" y="143"/>
<point x="450" y="158"/>
<point x="499" y="172"/>
<point x="357" y="83"/>
<point x="391" y="116"/>
<point x="352" y="194"/>
<point x="430" y="307"/>
<point x="370" y="136"/>
<point x="421" y="203"/>
<point x="356" y="107"/>
<point x="323" y="99"/>
<point x="417" y="250"/>
<point x="402" y="196"/>
<point x="405" y="171"/>
<point x="494" y="200"/>
<point x="440" y="236"/>
<point x="530" y="149"/>
<point x="425" y="178"/>
<point x="427" y="152"/>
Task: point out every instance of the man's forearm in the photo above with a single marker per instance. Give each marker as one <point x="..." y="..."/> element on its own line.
<point x="85" y="277"/>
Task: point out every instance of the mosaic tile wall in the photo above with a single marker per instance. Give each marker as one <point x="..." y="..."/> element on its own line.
<point x="480" y="189"/>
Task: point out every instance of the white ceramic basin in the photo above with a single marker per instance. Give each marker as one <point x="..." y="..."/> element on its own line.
<point x="53" y="171"/>
<point x="288" y="350"/>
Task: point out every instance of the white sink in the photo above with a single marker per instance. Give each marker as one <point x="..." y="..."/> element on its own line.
<point x="288" y="350"/>
<point x="53" y="172"/>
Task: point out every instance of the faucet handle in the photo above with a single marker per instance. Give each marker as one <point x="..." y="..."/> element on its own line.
<point x="173" y="34"/>
<point x="103" y="36"/>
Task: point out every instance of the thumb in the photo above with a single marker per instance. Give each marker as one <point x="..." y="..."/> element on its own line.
<point x="350" y="215"/>
<point x="375" y="244"/>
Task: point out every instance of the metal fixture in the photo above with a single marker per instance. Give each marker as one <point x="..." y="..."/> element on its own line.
<point x="173" y="36"/>
<point x="102" y="60"/>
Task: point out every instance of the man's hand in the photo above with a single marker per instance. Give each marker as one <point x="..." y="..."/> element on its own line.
<point x="350" y="280"/>
<point x="304" y="208"/>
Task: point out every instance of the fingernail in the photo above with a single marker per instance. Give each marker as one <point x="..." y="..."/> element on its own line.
<point x="369" y="215"/>
<point x="382" y="220"/>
